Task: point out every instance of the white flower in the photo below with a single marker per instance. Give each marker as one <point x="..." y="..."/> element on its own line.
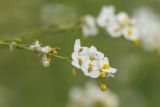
<point x="36" y="46"/>
<point x="123" y="18"/>
<point x="111" y="72"/>
<point x="106" y="16"/>
<point x="92" y="96"/>
<point x="115" y="30"/>
<point x="80" y="50"/>
<point x="45" y="61"/>
<point x="94" y="54"/>
<point x="78" y="60"/>
<point x="90" y="61"/>
<point x="89" y="26"/>
<point x="131" y="33"/>
<point x="79" y="54"/>
<point x="46" y="49"/>
<point x="91" y="68"/>
<point x="105" y="68"/>
<point x="149" y="26"/>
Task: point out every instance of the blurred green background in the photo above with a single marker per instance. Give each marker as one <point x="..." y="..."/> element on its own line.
<point x="24" y="82"/>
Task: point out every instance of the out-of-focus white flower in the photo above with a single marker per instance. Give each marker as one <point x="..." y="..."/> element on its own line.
<point x="46" y="49"/>
<point x="92" y="96"/>
<point x="89" y="27"/>
<point x="106" y="16"/>
<point x="36" y="46"/>
<point x="45" y="61"/>
<point x="148" y="24"/>
<point x="131" y="33"/>
<point x="123" y="18"/>
<point x="118" y="25"/>
<point x="115" y="30"/>
<point x="90" y="61"/>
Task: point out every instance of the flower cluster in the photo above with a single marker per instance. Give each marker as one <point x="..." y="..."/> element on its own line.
<point x="117" y="25"/>
<point x="44" y="52"/>
<point x="92" y="96"/>
<point x="92" y="62"/>
<point x="149" y="26"/>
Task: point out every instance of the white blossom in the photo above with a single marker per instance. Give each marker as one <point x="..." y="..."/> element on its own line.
<point x="90" y="61"/>
<point x="79" y="54"/>
<point x="45" y="61"/>
<point x="131" y="33"/>
<point x="36" y="46"/>
<point x="91" y="68"/>
<point x="89" y="27"/>
<point x="105" y="67"/>
<point x="46" y="49"/>
<point x="94" y="54"/>
<point x="92" y="96"/>
<point x="114" y="29"/>
<point x="148" y="24"/>
<point x="123" y="18"/>
<point x="106" y="16"/>
<point x="43" y="52"/>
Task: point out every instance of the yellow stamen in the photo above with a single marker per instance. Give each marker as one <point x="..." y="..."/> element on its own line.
<point x="90" y="67"/>
<point x="105" y="66"/>
<point x="92" y="58"/>
<point x="130" y="32"/>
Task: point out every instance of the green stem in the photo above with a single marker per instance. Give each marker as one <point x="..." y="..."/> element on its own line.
<point x="64" y="58"/>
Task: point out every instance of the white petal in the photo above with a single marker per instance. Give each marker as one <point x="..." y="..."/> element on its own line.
<point x="112" y="70"/>
<point x="106" y="15"/>
<point x="123" y="18"/>
<point x="84" y="50"/>
<point x="89" y="27"/>
<point x="77" y="45"/>
<point x="110" y="75"/>
<point x="100" y="55"/>
<point x="106" y="61"/>
<point x="131" y="33"/>
<point x="45" y="50"/>
<point x="94" y="74"/>
<point x="114" y="30"/>
<point x="93" y="49"/>
<point x="76" y="65"/>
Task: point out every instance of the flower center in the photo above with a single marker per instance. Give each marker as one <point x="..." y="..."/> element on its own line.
<point x="105" y="66"/>
<point x="90" y="68"/>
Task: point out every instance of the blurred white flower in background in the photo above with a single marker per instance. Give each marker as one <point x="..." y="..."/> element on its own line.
<point x="106" y="16"/>
<point x="148" y="24"/>
<point x="118" y="25"/>
<point x="92" y="96"/>
<point x="89" y="27"/>
<point x="92" y="62"/>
